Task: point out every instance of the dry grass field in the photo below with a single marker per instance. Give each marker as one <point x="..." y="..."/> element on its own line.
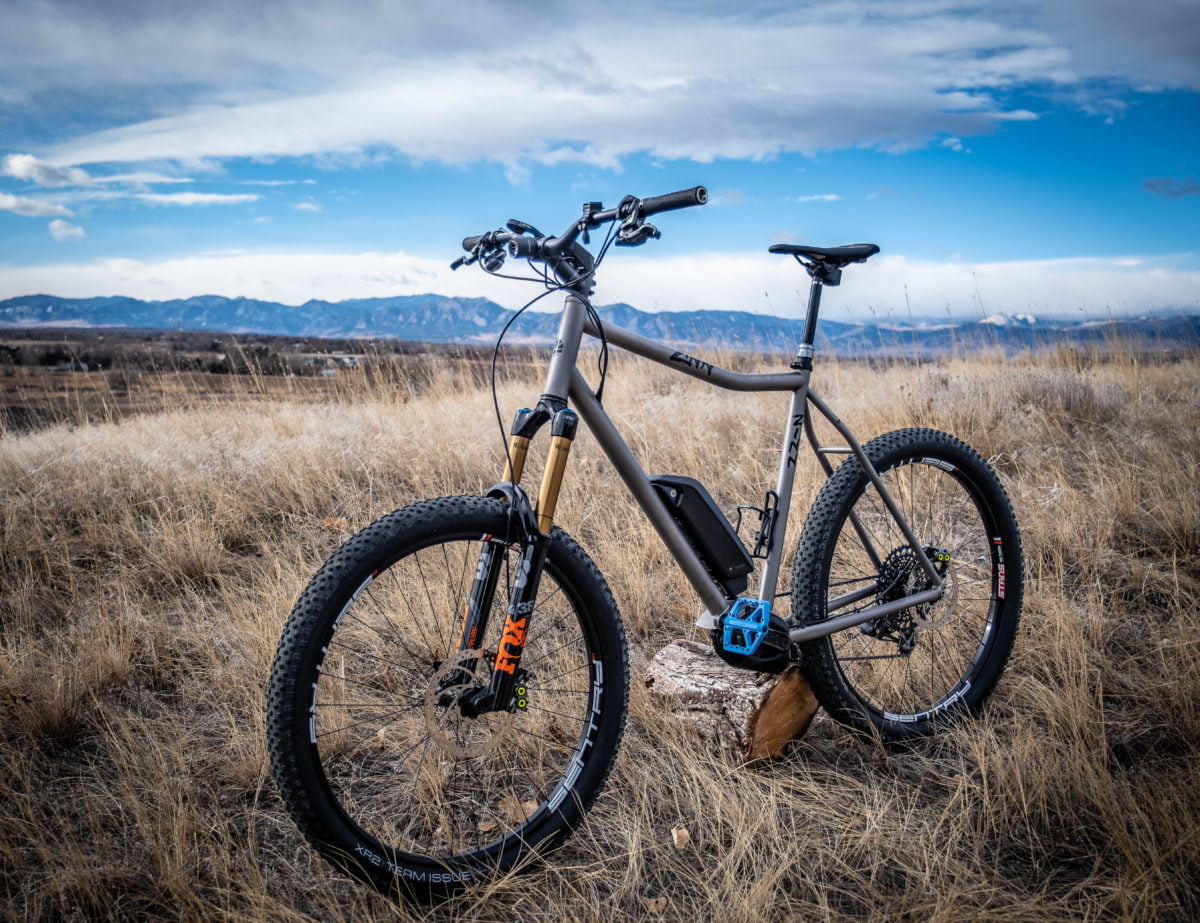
<point x="148" y="564"/>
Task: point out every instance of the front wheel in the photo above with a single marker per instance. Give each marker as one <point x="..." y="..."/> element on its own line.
<point x="378" y="762"/>
<point x="909" y="672"/>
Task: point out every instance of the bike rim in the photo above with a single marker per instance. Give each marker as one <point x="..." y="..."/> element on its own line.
<point x="411" y="775"/>
<point x="922" y="662"/>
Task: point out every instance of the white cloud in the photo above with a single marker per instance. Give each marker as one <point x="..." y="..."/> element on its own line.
<point x="892" y="76"/>
<point x="30" y="169"/>
<point x="62" y="230"/>
<point x="1159" y="45"/>
<point x="818" y="198"/>
<point x="143" y="179"/>
<point x="33" y="208"/>
<point x="194" y="198"/>
<point x="307" y="207"/>
<point x="291" y="278"/>
<point x="305" y="76"/>
<point x="1093" y="287"/>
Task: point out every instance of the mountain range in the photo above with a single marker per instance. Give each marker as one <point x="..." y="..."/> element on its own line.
<point x="441" y="319"/>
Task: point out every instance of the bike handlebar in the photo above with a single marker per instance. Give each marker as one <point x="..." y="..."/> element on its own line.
<point x="632" y="212"/>
<point x="685" y="198"/>
<point x="490" y="239"/>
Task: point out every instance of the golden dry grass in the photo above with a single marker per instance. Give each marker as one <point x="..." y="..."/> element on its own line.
<point x="148" y="566"/>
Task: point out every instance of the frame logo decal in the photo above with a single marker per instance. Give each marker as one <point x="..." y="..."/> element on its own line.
<point x="692" y="362"/>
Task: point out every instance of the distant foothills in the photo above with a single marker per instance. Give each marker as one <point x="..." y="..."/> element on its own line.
<point x="440" y="319"/>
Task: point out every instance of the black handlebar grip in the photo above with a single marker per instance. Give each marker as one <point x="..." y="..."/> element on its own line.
<point x="685" y="198"/>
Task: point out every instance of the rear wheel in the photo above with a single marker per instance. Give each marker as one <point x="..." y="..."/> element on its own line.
<point x="381" y="768"/>
<point x="906" y="674"/>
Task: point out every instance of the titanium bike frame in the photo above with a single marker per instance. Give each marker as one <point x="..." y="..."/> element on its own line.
<point x="574" y="323"/>
<point x="564" y="385"/>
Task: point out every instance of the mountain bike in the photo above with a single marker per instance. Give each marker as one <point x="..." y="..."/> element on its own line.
<point x="450" y="690"/>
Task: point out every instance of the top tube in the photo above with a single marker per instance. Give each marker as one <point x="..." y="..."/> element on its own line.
<point x="697" y="368"/>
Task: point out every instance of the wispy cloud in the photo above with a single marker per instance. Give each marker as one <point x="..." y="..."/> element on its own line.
<point x="194" y="198"/>
<point x="819" y="198"/>
<point x="1170" y="187"/>
<point x="30" y="169"/>
<point x="307" y="207"/>
<point x="62" y="230"/>
<point x="142" y="179"/>
<point x="32" y="208"/>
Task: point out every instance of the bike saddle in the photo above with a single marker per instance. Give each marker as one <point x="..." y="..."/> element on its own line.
<point x="830" y="256"/>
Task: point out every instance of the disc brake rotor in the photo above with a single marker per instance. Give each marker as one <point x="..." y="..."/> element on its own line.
<point x="455" y="734"/>
<point x="901" y="575"/>
<point x="948" y="604"/>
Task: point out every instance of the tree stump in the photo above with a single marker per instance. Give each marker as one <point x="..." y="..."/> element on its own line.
<point x="751" y="714"/>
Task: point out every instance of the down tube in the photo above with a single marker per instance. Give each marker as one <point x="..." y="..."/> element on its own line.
<point x="643" y="492"/>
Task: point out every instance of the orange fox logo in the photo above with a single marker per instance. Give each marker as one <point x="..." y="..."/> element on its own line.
<point x="511" y="643"/>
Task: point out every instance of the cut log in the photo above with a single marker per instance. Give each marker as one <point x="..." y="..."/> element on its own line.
<point x="751" y="714"/>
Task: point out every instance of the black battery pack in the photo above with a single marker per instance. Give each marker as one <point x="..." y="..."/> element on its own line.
<point x="707" y="529"/>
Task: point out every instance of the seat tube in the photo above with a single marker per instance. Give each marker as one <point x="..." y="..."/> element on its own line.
<point x="789" y="457"/>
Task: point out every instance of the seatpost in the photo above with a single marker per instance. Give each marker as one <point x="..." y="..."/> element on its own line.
<point x="804" y="352"/>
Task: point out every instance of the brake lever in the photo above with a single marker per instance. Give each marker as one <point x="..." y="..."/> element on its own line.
<point x="633" y="236"/>
<point x="520" y="227"/>
<point x="484" y="249"/>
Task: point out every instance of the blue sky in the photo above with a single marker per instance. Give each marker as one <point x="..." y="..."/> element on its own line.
<point x="1038" y="157"/>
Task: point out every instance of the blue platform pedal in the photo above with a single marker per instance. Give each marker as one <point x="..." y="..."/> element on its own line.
<point x="746" y="625"/>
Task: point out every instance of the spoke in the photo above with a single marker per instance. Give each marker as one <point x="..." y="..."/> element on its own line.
<point x="357" y="619"/>
<point x="347" y="727"/>
<point x="366" y="740"/>
<point x="556" y="745"/>
<point x="557" y="690"/>
<point x="545" y="655"/>
<point x="432" y="612"/>
<point x="419" y="670"/>
<point x="374" y="687"/>
<point x="543" y="710"/>
<point x="462" y="586"/>
<point x="400" y="706"/>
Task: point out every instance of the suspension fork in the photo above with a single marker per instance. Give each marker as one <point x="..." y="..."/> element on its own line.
<point x="532" y="526"/>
